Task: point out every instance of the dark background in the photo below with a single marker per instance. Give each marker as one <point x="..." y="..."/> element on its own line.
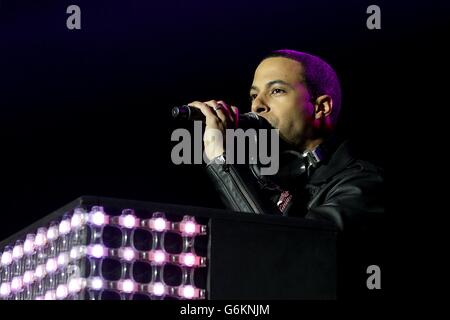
<point x="88" y="111"/>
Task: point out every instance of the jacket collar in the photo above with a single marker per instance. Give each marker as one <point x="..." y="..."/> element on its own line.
<point x="338" y="158"/>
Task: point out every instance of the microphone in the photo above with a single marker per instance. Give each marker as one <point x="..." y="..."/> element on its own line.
<point x="246" y="120"/>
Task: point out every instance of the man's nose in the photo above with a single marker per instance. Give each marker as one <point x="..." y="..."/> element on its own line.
<point x="260" y="106"/>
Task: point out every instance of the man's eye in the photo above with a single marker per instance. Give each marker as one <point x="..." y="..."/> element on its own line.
<point x="277" y="91"/>
<point x="253" y="96"/>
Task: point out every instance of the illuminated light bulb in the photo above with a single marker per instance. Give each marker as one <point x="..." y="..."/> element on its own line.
<point x="159" y="224"/>
<point x="98" y="251"/>
<point x="158" y="289"/>
<point x="5" y="289"/>
<point x="41" y="237"/>
<point x="128" y="254"/>
<point x="188" y="259"/>
<point x="17" y="252"/>
<point x="7" y="257"/>
<point x="98" y="216"/>
<point x="28" y="245"/>
<point x="51" y="265"/>
<point x="53" y="232"/>
<point x="128" y="286"/>
<point x="77" y="252"/>
<point x="64" y="226"/>
<point x="96" y="283"/>
<point x="75" y="285"/>
<point x="188" y="292"/>
<point x="159" y="256"/>
<point x="63" y="259"/>
<point x="40" y="271"/>
<point x="16" y="283"/>
<point x="78" y="218"/>
<point x="62" y="292"/>
<point x="189" y="227"/>
<point x="28" y="277"/>
<point x="50" y="295"/>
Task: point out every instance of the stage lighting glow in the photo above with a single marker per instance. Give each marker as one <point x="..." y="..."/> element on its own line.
<point x="53" y="232"/>
<point x="79" y="218"/>
<point x="98" y="251"/>
<point x="6" y="256"/>
<point x="62" y="292"/>
<point x="40" y="271"/>
<point x="158" y="289"/>
<point x="51" y="265"/>
<point x="5" y="289"/>
<point x="64" y="226"/>
<point x="16" y="283"/>
<point x="28" y="277"/>
<point x="128" y="254"/>
<point x="28" y="246"/>
<point x="96" y="283"/>
<point x="98" y="216"/>
<point x="47" y="264"/>
<point x="41" y="237"/>
<point x="18" y="250"/>
<point x="50" y="295"/>
<point x="188" y="292"/>
<point x="159" y="256"/>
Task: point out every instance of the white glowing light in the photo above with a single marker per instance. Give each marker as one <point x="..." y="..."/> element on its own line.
<point x="28" y="277"/>
<point x="128" y="221"/>
<point x="63" y="259"/>
<point x="189" y="227"/>
<point x="50" y="295"/>
<point x="75" y="285"/>
<point x="78" y="218"/>
<point x="98" y="251"/>
<point x="188" y="292"/>
<point x="51" y="265"/>
<point x="52" y="233"/>
<point x="159" y="224"/>
<point x="62" y="291"/>
<point x="28" y="245"/>
<point x="128" y="286"/>
<point x="64" y="227"/>
<point x="5" y="289"/>
<point x="99" y="218"/>
<point x="17" y="252"/>
<point x="41" y="237"/>
<point x="40" y="271"/>
<point x="159" y="256"/>
<point x="97" y="283"/>
<point x="77" y="252"/>
<point x="189" y="259"/>
<point x="158" y="289"/>
<point x="128" y="254"/>
<point x="16" y="283"/>
<point x="6" y="258"/>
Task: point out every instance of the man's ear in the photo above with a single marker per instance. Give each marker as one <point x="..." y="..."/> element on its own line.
<point x="323" y="106"/>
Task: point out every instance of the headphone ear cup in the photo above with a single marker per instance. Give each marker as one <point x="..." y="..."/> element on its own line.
<point x="292" y="169"/>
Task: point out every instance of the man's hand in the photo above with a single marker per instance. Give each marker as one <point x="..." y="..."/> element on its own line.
<point x="219" y="116"/>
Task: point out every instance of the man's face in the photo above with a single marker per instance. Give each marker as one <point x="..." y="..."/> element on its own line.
<point x="279" y="95"/>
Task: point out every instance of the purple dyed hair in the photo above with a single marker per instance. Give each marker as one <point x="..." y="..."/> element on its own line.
<point x="319" y="76"/>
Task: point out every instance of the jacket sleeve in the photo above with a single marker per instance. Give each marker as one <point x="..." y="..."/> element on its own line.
<point x="239" y="190"/>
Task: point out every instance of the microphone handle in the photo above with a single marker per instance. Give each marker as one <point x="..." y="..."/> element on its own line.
<point x="246" y="120"/>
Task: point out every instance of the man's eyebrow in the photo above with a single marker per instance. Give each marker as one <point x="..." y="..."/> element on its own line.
<point x="271" y="83"/>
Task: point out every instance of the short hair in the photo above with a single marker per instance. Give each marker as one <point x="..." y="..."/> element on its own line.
<point x="319" y="76"/>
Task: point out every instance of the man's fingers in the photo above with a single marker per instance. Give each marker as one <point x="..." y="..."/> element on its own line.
<point x="235" y="113"/>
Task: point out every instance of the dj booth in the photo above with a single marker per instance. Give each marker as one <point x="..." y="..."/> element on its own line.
<point x="101" y="249"/>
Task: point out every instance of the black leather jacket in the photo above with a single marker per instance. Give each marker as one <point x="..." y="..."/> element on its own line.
<point x="342" y="190"/>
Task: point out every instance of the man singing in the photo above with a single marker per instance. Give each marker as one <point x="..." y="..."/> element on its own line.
<point x="319" y="178"/>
